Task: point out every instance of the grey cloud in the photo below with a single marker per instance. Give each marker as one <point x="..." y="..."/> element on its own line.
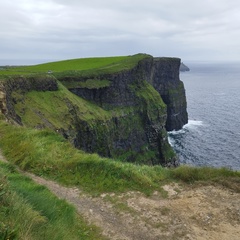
<point x="60" y="29"/>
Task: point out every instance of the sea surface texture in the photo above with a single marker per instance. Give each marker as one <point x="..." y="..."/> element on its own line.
<point x="212" y="135"/>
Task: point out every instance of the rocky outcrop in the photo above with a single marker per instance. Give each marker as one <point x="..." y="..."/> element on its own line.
<point x="22" y="85"/>
<point x="184" y="68"/>
<point x="165" y="79"/>
<point x="3" y="107"/>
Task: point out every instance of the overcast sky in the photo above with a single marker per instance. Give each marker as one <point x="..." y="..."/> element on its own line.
<point x="35" y="31"/>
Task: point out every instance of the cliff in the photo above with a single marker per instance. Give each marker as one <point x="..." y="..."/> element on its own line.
<point x="21" y="85"/>
<point x="111" y="90"/>
<point x="122" y="114"/>
<point x="184" y="68"/>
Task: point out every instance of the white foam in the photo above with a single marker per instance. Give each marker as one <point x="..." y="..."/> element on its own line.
<point x="174" y="132"/>
<point x="171" y="141"/>
<point x="192" y="124"/>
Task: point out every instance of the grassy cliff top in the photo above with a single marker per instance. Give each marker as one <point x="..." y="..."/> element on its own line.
<point x="105" y="64"/>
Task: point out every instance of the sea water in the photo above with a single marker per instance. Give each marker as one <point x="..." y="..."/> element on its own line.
<point x="212" y="135"/>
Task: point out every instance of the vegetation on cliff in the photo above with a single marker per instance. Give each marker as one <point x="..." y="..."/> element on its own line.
<point x="102" y="105"/>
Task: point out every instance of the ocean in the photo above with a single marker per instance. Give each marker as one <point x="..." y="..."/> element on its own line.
<point x="212" y="135"/>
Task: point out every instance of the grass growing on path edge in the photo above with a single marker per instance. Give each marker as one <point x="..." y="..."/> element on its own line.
<point x="47" y="154"/>
<point x="30" y="211"/>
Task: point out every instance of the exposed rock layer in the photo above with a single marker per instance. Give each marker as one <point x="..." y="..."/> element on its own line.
<point x="23" y="85"/>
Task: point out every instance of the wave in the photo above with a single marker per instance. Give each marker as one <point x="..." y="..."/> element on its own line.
<point x="192" y="124"/>
<point x="174" y="132"/>
<point x="189" y="127"/>
<point x="171" y="141"/>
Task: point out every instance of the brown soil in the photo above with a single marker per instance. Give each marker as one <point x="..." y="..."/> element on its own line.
<point x="188" y="212"/>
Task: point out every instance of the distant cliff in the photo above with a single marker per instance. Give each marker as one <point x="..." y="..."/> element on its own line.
<point x="122" y="114"/>
<point x="184" y="68"/>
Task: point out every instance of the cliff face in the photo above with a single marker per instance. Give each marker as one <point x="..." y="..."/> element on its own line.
<point x="165" y="79"/>
<point x="21" y="85"/>
<point x="122" y="115"/>
<point x="161" y="73"/>
<point x="153" y="89"/>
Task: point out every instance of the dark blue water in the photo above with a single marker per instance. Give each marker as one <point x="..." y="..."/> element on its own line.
<point x="212" y="135"/>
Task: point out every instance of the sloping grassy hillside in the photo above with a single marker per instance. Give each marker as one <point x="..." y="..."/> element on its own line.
<point x="104" y="64"/>
<point x="48" y="154"/>
<point x="30" y="211"/>
<point x="55" y="109"/>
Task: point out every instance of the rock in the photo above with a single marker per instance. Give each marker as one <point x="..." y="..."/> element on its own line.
<point x="184" y="68"/>
<point x="165" y="79"/>
<point x="22" y="85"/>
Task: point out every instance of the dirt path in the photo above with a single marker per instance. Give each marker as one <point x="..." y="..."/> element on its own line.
<point x="200" y="212"/>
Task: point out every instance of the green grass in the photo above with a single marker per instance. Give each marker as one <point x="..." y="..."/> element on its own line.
<point x="152" y="100"/>
<point x="47" y="154"/>
<point x="60" y="109"/>
<point x="55" y="109"/>
<point x="92" y="84"/>
<point x="223" y="176"/>
<point x="103" y="64"/>
<point x="30" y="211"/>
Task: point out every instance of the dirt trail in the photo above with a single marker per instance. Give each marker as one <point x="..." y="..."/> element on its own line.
<point x="200" y="212"/>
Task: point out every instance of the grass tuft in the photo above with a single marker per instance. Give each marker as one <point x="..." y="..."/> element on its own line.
<point x="192" y="174"/>
<point x="30" y="211"/>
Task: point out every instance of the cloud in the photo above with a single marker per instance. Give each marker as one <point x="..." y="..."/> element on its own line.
<point x="59" y="29"/>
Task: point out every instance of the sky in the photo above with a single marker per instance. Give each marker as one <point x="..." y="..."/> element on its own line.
<point x="36" y="31"/>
